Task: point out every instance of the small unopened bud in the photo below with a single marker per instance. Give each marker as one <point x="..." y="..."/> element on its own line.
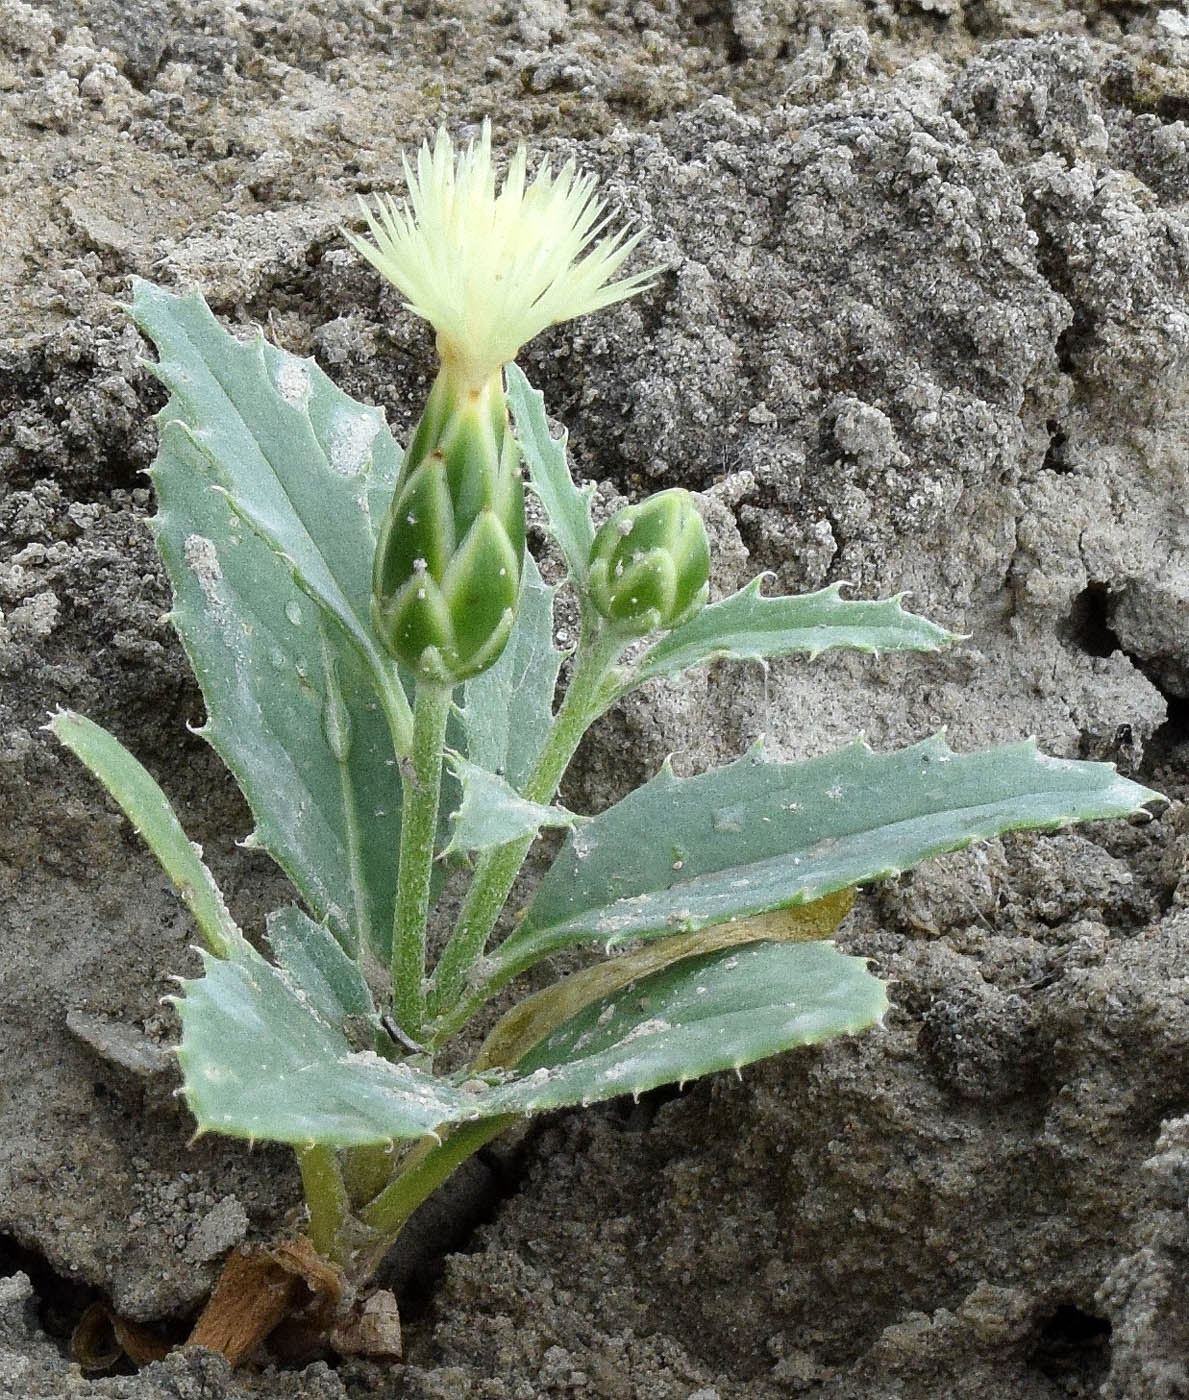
<point x="649" y="565"/>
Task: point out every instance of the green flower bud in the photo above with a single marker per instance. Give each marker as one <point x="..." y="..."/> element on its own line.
<point x="446" y="578"/>
<point x="650" y="563"/>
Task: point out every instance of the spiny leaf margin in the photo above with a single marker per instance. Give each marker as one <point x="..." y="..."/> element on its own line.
<point x="756" y="835"/>
<point x="294" y="705"/>
<point x="720" y="1011"/>
<point x="748" y="626"/>
<point x="260" y="1063"/>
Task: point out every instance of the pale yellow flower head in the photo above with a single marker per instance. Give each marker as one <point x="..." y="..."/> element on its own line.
<point x="489" y="271"/>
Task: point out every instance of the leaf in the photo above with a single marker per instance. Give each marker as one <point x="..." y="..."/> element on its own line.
<point x="678" y="854"/>
<point x="507" y="712"/>
<point x="314" y="961"/>
<point x="536" y="1016"/>
<point x="719" y="1011"/>
<point x="149" y="811"/>
<point x="748" y="626"/>
<point x="296" y="458"/>
<point x="260" y="1061"/>
<point x="260" y="1064"/>
<point x="492" y="813"/>
<point x="567" y="507"/>
<point x="294" y="706"/>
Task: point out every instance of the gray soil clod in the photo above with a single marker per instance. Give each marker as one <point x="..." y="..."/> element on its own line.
<point x="925" y="326"/>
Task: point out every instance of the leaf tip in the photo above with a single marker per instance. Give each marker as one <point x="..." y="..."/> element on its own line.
<point x="58" y="720"/>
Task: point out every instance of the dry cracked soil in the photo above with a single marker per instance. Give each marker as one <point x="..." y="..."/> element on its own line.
<point x="924" y="326"/>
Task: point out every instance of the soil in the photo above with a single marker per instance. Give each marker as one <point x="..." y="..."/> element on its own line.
<point x="924" y="326"/>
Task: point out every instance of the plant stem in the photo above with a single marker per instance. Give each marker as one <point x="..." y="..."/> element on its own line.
<point x="419" y="821"/>
<point x="366" y="1172"/>
<point x="496" y="870"/>
<point x="326" y="1197"/>
<point x="427" y="1168"/>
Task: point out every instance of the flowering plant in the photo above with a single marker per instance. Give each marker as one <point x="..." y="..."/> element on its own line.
<point x="376" y="651"/>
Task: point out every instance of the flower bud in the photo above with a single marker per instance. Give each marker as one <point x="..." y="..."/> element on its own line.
<point x="446" y="578"/>
<point x="650" y="563"/>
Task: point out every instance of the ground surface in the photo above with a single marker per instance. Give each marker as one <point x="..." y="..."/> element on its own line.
<point x="925" y="326"/>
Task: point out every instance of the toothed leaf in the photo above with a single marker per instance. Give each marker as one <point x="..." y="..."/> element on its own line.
<point x="492" y="813"/>
<point x="756" y="835"/>
<point x="260" y="1063"/>
<point x="530" y="1020"/>
<point x="722" y="1010"/>
<point x="567" y="507"/>
<point x="266" y="473"/>
<point x="748" y="626"/>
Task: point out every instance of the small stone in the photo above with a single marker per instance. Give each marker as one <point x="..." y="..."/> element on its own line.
<point x="221" y="1229"/>
<point x="373" y="1329"/>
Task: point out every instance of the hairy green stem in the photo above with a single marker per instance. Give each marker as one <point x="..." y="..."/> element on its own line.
<point x="426" y="1169"/>
<point x="326" y="1197"/>
<point x="496" y="870"/>
<point x="419" y="821"/>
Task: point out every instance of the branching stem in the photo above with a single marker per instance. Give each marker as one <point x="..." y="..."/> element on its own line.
<point x="496" y="870"/>
<point x="425" y="1170"/>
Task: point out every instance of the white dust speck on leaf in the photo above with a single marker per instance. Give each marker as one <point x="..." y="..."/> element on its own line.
<point x="349" y="444"/>
<point x="655" y="1026"/>
<point x="293" y="383"/>
<point x="202" y="557"/>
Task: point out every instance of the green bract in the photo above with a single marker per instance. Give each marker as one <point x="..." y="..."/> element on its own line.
<point x="304" y="555"/>
<point x="448" y="565"/>
<point x="650" y="565"/>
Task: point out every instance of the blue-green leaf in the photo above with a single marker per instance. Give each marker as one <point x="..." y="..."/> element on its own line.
<point x="530" y="1020"/>
<point x="720" y="1011"/>
<point x="748" y="626"/>
<point x="299" y="462"/>
<point x="149" y="811"/>
<point x="261" y="1064"/>
<point x="492" y="812"/>
<point x="264" y="469"/>
<point x="567" y="507"/>
<point x="314" y="961"/>
<point x="679" y="854"/>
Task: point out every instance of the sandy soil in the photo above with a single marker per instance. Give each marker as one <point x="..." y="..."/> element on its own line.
<point x="925" y="326"/>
